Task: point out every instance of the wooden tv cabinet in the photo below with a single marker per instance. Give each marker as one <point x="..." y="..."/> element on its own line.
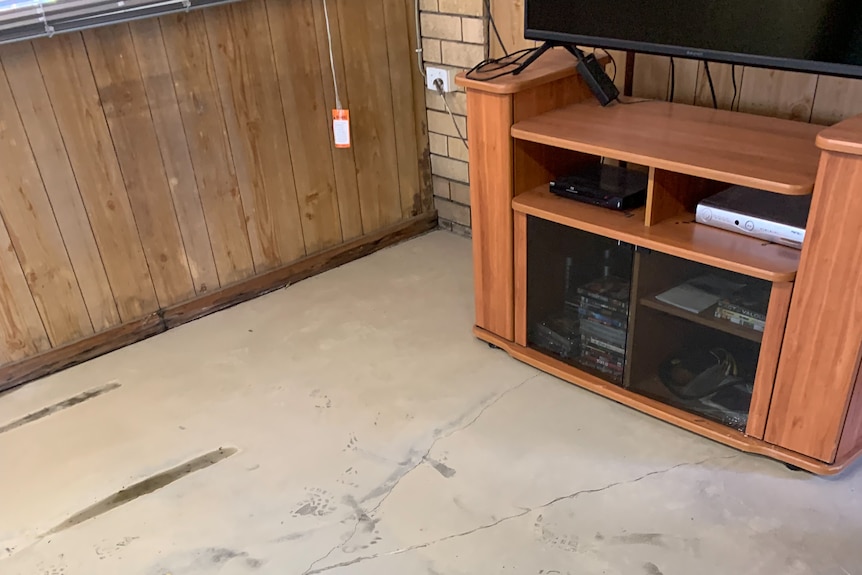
<point x="806" y="406"/>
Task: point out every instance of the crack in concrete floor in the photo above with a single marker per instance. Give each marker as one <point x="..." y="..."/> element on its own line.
<point x="502" y="520"/>
<point x="438" y="436"/>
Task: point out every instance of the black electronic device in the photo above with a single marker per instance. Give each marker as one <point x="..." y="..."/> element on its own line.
<point x="588" y="66"/>
<point x="821" y="36"/>
<point x="603" y="185"/>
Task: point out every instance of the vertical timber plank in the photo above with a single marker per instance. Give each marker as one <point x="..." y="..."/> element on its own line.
<point x="242" y="54"/>
<point x="185" y="39"/>
<point x="778" y="93"/>
<point x="363" y="29"/>
<point x="401" y="79"/>
<point x="344" y="159"/>
<point x="420" y="116"/>
<point x="168" y="124"/>
<point x="49" y="150"/>
<point x="30" y="222"/>
<point x="307" y="118"/>
<point x="652" y="77"/>
<point x="685" y="76"/>
<point x="722" y="80"/>
<point x="509" y="16"/>
<point x="75" y="98"/>
<point x="21" y="331"/>
<point x="836" y="99"/>
<point x="124" y="101"/>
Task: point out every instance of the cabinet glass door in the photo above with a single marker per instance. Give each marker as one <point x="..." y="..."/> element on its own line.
<point x="578" y="297"/>
<point x="696" y="336"/>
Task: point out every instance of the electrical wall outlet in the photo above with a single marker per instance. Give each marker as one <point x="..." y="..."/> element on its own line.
<point x="445" y="75"/>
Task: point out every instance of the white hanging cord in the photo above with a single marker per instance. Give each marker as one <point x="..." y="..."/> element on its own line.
<point x="331" y="57"/>
<point x="419" y="42"/>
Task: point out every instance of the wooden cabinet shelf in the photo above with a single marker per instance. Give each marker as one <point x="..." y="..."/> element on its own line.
<point x="530" y="248"/>
<point x="679" y="236"/>
<point x="707" y="318"/>
<point x="765" y="153"/>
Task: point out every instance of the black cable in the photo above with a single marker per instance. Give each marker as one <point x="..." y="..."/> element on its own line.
<point x="630" y="102"/>
<point x="509" y="63"/>
<point x="735" y="89"/>
<point x="613" y="61"/>
<point x="711" y="85"/>
<point x="672" y="79"/>
<point x="494" y="27"/>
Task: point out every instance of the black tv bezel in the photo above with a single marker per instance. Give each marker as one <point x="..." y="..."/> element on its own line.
<point x="789" y="64"/>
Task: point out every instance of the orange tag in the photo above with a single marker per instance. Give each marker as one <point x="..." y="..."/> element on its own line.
<point x="341" y="128"/>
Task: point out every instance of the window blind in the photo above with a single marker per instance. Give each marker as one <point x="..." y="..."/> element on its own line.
<point x="28" y="19"/>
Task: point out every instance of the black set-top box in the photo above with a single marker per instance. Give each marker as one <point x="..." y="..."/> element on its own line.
<point x="606" y="186"/>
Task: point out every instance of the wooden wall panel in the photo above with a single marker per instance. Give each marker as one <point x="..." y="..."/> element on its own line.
<point x="509" y="16"/>
<point x="363" y="29"/>
<point x="778" y="93"/>
<point x="722" y="80"/>
<point x="72" y="89"/>
<point x="187" y="46"/>
<point x="307" y="120"/>
<point x="686" y="76"/>
<point x="34" y="233"/>
<point x="48" y="148"/>
<point x="127" y="110"/>
<point x="343" y="159"/>
<point x="401" y="80"/>
<point x="836" y="99"/>
<point x="148" y="164"/>
<point x="165" y="112"/>
<point x="21" y="328"/>
<point x="245" y="68"/>
<point x="652" y="77"/>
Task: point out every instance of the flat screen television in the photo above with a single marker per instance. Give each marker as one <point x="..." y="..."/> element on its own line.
<point x="821" y="36"/>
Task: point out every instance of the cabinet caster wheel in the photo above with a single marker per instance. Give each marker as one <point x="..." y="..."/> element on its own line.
<point x="792" y="467"/>
<point x="492" y="346"/>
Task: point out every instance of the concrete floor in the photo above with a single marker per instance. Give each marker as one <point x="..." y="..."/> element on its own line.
<point x="375" y="435"/>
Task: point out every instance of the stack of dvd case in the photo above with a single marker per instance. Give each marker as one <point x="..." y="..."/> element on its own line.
<point x="602" y="307"/>
<point x="747" y="307"/>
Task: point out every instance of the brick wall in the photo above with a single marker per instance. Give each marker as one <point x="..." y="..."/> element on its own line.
<point x="454" y="35"/>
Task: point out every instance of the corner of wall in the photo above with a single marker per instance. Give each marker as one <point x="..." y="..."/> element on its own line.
<point x="454" y="35"/>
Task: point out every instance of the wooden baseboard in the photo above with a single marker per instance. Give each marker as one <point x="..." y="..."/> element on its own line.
<point x="51" y="361"/>
<point x="678" y="417"/>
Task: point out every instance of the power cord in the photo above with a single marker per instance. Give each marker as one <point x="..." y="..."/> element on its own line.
<point x="508" y="64"/>
<point x="419" y="59"/>
<point x="735" y="87"/>
<point x="672" y="79"/>
<point x="711" y="84"/>
<point x="494" y="27"/>
<point x="331" y="57"/>
<point x="613" y="61"/>
<point x="438" y="83"/>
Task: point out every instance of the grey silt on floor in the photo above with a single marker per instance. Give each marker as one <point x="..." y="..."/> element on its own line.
<point x="374" y="435"/>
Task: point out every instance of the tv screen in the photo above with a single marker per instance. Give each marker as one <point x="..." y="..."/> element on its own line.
<point x="822" y="36"/>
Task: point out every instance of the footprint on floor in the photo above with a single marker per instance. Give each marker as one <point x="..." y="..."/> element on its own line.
<point x="318" y="503"/>
<point x="346" y="476"/>
<point x="352" y="443"/>
<point x="206" y="560"/>
<point x="549" y="537"/>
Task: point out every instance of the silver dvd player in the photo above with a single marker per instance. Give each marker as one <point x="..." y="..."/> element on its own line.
<point x="764" y="215"/>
